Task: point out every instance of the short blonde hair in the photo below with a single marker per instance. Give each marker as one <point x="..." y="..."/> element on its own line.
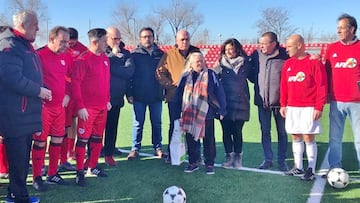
<point x="190" y="59"/>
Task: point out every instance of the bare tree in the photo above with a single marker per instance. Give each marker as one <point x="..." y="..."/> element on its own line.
<point x="156" y="22"/>
<point x="309" y="35"/>
<point x="276" y="20"/>
<point x="125" y="19"/>
<point x="181" y="15"/>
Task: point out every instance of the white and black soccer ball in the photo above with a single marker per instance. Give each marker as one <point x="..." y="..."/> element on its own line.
<point x="174" y="194"/>
<point x="338" y="178"/>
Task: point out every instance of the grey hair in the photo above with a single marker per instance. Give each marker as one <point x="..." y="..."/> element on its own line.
<point x="23" y="17"/>
<point x="190" y="59"/>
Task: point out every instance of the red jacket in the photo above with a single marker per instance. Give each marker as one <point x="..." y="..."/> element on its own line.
<point x="303" y="83"/>
<point x="91" y="81"/>
<point x="55" y="69"/>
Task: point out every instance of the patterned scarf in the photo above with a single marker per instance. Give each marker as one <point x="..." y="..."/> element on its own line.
<point x="234" y="63"/>
<point x="195" y="105"/>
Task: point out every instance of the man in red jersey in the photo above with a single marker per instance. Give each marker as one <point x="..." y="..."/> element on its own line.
<point x="55" y="66"/>
<point x="91" y="92"/>
<point x="343" y="67"/>
<point x="67" y="148"/>
<point x="303" y="91"/>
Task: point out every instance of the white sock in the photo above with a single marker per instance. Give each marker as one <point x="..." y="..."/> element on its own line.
<point x="311" y="153"/>
<point x="298" y="151"/>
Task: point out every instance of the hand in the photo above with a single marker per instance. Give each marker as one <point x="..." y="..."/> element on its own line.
<point x="283" y="112"/>
<point x="65" y="101"/>
<point x="45" y="94"/>
<point x="317" y="115"/>
<point x="83" y="114"/>
<point x="130" y="100"/>
<point x="108" y="106"/>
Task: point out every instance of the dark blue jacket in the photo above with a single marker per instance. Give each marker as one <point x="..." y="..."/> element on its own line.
<point x="144" y="85"/>
<point x="216" y="95"/>
<point x="121" y="70"/>
<point x="20" y="82"/>
<point x="237" y="92"/>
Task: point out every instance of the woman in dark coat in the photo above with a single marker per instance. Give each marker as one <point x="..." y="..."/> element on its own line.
<point x="233" y="69"/>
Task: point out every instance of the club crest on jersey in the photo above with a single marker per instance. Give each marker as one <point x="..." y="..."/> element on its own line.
<point x="81" y="131"/>
<point x="349" y="63"/>
<point x="106" y="63"/>
<point x="299" y="77"/>
<point x="62" y="62"/>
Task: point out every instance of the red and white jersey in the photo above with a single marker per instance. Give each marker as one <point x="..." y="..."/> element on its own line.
<point x="303" y="83"/>
<point x="77" y="49"/>
<point x="91" y="81"/>
<point x="343" y="67"/>
<point x="55" y="68"/>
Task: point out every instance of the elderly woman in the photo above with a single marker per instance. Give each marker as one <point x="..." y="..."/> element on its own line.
<point x="233" y="69"/>
<point x="199" y="98"/>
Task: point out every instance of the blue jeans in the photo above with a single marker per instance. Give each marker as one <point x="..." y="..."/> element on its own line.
<point x="138" y="124"/>
<point x="265" y="123"/>
<point x="338" y="113"/>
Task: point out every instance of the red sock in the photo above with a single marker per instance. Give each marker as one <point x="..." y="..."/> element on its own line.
<point x="80" y="155"/>
<point x="64" y="150"/>
<point x="54" y="155"/>
<point x="95" y="147"/>
<point x="4" y="168"/>
<point x="38" y="157"/>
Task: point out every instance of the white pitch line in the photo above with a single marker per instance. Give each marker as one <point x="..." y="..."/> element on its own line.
<point x="317" y="190"/>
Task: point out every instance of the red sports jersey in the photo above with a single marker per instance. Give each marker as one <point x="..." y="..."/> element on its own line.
<point x="303" y="83"/>
<point x="55" y="71"/>
<point x="77" y="49"/>
<point x="91" y="81"/>
<point x="343" y="67"/>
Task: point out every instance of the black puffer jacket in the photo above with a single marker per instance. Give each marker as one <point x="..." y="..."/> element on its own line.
<point x="236" y="91"/>
<point x="20" y="81"/>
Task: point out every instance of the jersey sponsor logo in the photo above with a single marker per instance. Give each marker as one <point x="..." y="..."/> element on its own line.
<point x="349" y="63"/>
<point x="299" y="77"/>
<point x="62" y="62"/>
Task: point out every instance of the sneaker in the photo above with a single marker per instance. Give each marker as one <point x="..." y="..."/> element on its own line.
<point x="96" y="172"/>
<point x="39" y="185"/>
<point x="134" y="154"/>
<point x="55" y="179"/>
<point x="309" y="175"/>
<point x="294" y="172"/>
<point x="66" y="167"/>
<point x="283" y="167"/>
<point x="265" y="164"/>
<point x="191" y="168"/>
<point x="109" y="160"/>
<point x="4" y="175"/>
<point x="80" y="178"/>
<point x="229" y="159"/>
<point x="210" y="170"/>
<point x="158" y="153"/>
<point x="31" y="200"/>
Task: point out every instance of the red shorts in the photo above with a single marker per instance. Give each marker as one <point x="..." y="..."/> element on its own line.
<point x="71" y="113"/>
<point x="53" y="119"/>
<point x="95" y="125"/>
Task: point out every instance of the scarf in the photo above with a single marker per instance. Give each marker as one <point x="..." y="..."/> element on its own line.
<point x="195" y="105"/>
<point x="234" y="63"/>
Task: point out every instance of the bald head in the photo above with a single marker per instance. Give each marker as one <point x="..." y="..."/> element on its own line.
<point x="182" y="40"/>
<point x="113" y="37"/>
<point x="295" y="46"/>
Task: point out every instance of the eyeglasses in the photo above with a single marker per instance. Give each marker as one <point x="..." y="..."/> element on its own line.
<point x="116" y="38"/>
<point x="147" y="36"/>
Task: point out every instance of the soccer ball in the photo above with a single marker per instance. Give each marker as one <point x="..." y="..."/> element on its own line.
<point x="174" y="194"/>
<point x="338" y="178"/>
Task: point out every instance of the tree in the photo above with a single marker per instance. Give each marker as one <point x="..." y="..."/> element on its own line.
<point x="125" y="19"/>
<point x="181" y="15"/>
<point x="276" y="20"/>
<point x="156" y="22"/>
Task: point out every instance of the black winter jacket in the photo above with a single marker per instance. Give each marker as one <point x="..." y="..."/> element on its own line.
<point x="20" y="82"/>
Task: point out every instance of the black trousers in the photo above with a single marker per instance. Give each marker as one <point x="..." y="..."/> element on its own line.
<point x="232" y="135"/>
<point x="18" y="153"/>
<point x="111" y="130"/>
<point x="208" y="145"/>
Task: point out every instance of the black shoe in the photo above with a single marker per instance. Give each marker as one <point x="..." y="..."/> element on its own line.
<point x="66" y="167"/>
<point x="191" y="168"/>
<point x="265" y="164"/>
<point x="80" y="178"/>
<point x="309" y="175"/>
<point x="294" y="172"/>
<point x="283" y="167"/>
<point x="96" y="172"/>
<point x="210" y="170"/>
<point x="39" y="185"/>
<point x="55" y="179"/>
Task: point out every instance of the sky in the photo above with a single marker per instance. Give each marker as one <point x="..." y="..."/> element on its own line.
<point x="225" y="18"/>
